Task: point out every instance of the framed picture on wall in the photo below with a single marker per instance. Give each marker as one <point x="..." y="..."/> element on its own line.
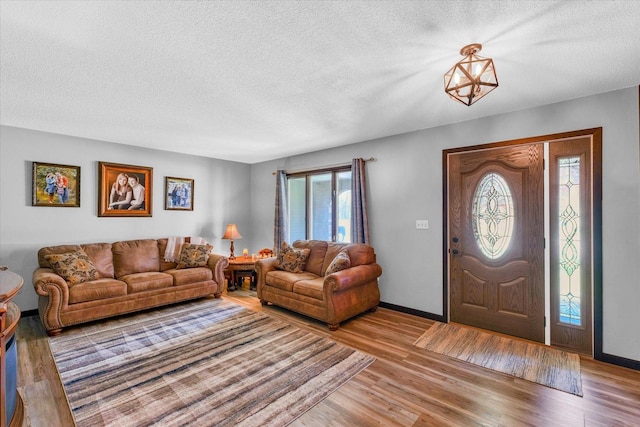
<point x="55" y="185"/>
<point x="178" y="194"/>
<point x="124" y="190"/>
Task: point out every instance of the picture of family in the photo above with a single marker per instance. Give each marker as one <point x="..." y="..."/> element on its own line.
<point x="124" y="190"/>
<point x="56" y="185"/>
<point x="179" y="194"/>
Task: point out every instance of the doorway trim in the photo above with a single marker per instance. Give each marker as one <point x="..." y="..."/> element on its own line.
<point x="596" y="135"/>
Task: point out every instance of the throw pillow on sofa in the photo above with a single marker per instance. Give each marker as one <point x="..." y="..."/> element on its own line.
<point x="192" y="255"/>
<point x="74" y="267"/>
<point x="339" y="263"/>
<point x="292" y="259"/>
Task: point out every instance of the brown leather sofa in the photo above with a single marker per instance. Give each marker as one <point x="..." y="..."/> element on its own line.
<point x="131" y="276"/>
<point x="331" y="298"/>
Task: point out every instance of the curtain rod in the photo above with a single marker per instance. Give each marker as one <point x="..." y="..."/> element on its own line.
<point x="370" y="159"/>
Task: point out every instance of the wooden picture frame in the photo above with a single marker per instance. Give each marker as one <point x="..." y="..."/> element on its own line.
<point x="55" y="185"/>
<point x="118" y="192"/>
<point x="178" y="194"/>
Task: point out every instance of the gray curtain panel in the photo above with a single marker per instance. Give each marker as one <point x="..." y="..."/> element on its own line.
<point x="359" y="216"/>
<point x="280" y="231"/>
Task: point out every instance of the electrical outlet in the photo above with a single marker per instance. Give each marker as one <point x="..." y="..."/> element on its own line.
<point x="422" y="224"/>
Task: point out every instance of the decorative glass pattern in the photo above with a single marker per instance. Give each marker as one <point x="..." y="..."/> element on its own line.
<point x="569" y="240"/>
<point x="493" y="215"/>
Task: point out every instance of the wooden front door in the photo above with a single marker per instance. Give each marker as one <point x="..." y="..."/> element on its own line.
<point x="496" y="239"/>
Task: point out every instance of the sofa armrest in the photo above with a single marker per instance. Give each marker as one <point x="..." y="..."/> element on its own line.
<point x="217" y="264"/>
<point x="54" y="296"/>
<point x="47" y="284"/>
<point x="352" y="277"/>
<point x="263" y="266"/>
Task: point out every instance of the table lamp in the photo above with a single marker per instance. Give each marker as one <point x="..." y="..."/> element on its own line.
<point x="230" y="234"/>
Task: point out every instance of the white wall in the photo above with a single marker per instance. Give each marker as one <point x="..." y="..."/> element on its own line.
<point x="220" y="196"/>
<point x="405" y="184"/>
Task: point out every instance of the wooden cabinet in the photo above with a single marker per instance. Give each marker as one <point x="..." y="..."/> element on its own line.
<point x="11" y="407"/>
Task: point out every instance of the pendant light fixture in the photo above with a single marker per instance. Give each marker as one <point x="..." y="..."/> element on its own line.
<point x="471" y="78"/>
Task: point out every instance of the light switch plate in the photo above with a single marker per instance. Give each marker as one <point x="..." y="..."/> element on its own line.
<point x="422" y="224"/>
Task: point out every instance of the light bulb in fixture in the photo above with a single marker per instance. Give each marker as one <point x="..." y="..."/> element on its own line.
<point x="478" y="71"/>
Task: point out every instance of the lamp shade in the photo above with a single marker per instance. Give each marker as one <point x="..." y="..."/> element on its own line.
<point x="232" y="232"/>
<point x="471" y="78"/>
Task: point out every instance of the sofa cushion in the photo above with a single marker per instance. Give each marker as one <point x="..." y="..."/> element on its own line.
<point x="74" y="267"/>
<point x="333" y="249"/>
<point x="135" y="256"/>
<point x="162" y="248"/>
<point x="101" y="256"/>
<point x="96" y="290"/>
<point x="316" y="258"/>
<point x="285" y="279"/>
<point x="194" y="255"/>
<point x="360" y="254"/>
<point x="339" y="263"/>
<point x="140" y="282"/>
<point x="60" y="249"/>
<point x="291" y="259"/>
<point x="190" y="275"/>
<point x="311" y="288"/>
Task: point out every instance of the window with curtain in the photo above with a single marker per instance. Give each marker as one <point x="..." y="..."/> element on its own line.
<point x="319" y="205"/>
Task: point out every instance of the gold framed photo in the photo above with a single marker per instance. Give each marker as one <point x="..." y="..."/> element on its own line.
<point x="124" y="190"/>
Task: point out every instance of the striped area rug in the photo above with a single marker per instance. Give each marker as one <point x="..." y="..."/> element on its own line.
<point x="205" y="363"/>
<point x="533" y="362"/>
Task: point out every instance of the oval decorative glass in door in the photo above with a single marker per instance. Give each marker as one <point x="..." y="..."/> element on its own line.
<point x="492" y="215"/>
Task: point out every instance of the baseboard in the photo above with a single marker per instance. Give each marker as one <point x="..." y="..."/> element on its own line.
<point x="29" y="313"/>
<point x="619" y="360"/>
<point x="425" y="314"/>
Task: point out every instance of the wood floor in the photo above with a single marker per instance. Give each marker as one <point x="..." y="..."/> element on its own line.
<point x="405" y="386"/>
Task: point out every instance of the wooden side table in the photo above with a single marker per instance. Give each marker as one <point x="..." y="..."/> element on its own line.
<point x="11" y="406"/>
<point x="240" y="268"/>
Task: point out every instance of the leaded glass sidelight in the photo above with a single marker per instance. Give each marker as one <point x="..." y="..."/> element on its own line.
<point x="492" y="215"/>
<point x="569" y="240"/>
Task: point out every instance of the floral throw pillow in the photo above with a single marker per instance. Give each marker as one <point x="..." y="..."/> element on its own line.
<point x="74" y="267"/>
<point x="340" y="262"/>
<point x="292" y="259"/>
<point x="192" y="255"/>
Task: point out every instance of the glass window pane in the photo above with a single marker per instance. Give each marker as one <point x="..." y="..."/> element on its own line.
<point x="493" y="215"/>
<point x="296" y="196"/>
<point x="343" y="201"/>
<point x="569" y="240"/>
<point x="321" y="206"/>
<point x="312" y="210"/>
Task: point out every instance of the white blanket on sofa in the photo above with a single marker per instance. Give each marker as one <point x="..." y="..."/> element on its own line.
<point x="174" y="244"/>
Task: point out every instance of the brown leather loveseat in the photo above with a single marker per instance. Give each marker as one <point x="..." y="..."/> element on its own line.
<point x="108" y="279"/>
<point x="332" y="282"/>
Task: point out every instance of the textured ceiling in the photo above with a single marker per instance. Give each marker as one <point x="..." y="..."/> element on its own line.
<point x="254" y="81"/>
